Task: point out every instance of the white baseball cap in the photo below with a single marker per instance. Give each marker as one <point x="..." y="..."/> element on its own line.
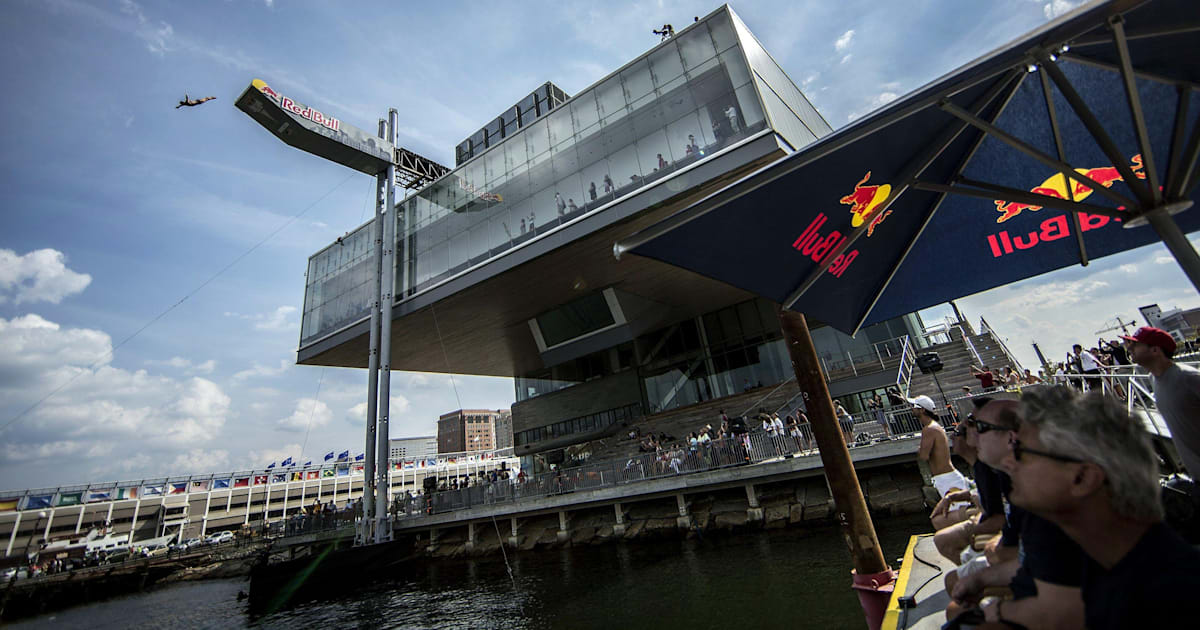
<point x="923" y="402"/>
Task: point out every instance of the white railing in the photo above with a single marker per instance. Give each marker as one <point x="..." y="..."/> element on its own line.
<point x="1012" y="358"/>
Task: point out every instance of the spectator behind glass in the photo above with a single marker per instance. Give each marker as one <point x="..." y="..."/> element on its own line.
<point x="1083" y="463"/>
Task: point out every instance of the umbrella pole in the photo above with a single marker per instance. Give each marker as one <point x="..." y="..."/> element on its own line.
<point x="1177" y="243"/>
<point x="873" y="579"/>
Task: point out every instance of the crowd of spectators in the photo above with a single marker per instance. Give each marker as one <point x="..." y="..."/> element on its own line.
<point x="1063" y="525"/>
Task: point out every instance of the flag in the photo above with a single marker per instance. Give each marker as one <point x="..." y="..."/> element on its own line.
<point x="343" y="471"/>
<point x="358" y="469"/>
<point x="221" y="484"/>
<point x="179" y="488"/>
<point x="94" y="496"/>
<point x="329" y="456"/>
<point x="297" y="476"/>
<point x="287" y="462"/>
<point x="260" y="480"/>
<point x="41" y="501"/>
<point x="343" y="456"/>
<point x="431" y="462"/>
<point x="278" y="478"/>
<point x="313" y="474"/>
<point x="408" y="464"/>
<point x="308" y="463"/>
<point x="396" y="466"/>
<point x="74" y="498"/>
<point x="9" y="505"/>
<point x="153" y="491"/>
<point x="328" y="472"/>
<point x="359" y="457"/>
<point x="199" y="486"/>
<point x="127" y="493"/>
<point x="271" y="466"/>
<point x="241" y="482"/>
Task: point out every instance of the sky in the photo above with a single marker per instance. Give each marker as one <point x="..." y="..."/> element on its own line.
<point x="152" y="259"/>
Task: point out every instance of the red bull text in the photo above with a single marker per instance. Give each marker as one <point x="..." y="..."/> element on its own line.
<point x="1052" y="229"/>
<point x="309" y="113"/>
<point x="1056" y="186"/>
<point x="817" y="247"/>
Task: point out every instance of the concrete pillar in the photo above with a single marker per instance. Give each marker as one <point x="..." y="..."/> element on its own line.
<point x="514" y="540"/>
<point x="13" y="536"/>
<point x="684" y="521"/>
<point x="433" y="537"/>
<point x="619" y="526"/>
<point x="754" y="512"/>
<point x="563" y="532"/>
<point x="472" y="537"/>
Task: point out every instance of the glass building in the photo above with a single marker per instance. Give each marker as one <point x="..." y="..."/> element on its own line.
<point x="504" y="265"/>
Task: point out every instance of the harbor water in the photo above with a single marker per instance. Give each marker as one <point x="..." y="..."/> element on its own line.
<point x="787" y="578"/>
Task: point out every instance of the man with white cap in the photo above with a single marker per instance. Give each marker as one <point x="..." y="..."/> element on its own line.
<point x="935" y="448"/>
<point x="1176" y="390"/>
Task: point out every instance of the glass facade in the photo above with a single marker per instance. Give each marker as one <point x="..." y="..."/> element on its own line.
<point x="678" y="104"/>
<point x="582" y="424"/>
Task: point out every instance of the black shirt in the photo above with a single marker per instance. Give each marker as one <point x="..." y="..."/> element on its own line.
<point x="988" y="482"/>
<point x="1046" y="554"/>
<point x="1151" y="587"/>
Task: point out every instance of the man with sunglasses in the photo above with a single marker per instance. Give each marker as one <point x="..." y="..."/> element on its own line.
<point x="1033" y="558"/>
<point x="1085" y="464"/>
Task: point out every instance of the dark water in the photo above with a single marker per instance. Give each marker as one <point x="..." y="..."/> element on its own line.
<point x="767" y="579"/>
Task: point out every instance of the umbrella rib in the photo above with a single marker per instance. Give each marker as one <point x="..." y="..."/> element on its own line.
<point x="1117" y="23"/>
<point x="1188" y="171"/>
<point x="1103" y="65"/>
<point x="936" y="206"/>
<point x="1175" y="174"/>
<point x="1158" y="32"/>
<point x="1094" y="127"/>
<point x="985" y="190"/>
<point x="1032" y="152"/>
<point x="1058" y="145"/>
<point x="915" y="168"/>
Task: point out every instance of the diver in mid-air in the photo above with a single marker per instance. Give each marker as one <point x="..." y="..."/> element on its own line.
<point x="192" y="102"/>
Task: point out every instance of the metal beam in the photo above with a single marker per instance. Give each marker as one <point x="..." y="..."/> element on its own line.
<point x="1186" y="179"/>
<point x="1062" y="155"/>
<point x="1141" y="74"/>
<point x="1178" y="130"/>
<point x="984" y="190"/>
<point x="1117" y="23"/>
<point x="1156" y="32"/>
<point x="1095" y="128"/>
<point x="1016" y="85"/>
<point x="1032" y="152"/>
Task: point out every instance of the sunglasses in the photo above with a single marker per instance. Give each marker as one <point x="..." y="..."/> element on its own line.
<point x="1019" y="449"/>
<point x="983" y="427"/>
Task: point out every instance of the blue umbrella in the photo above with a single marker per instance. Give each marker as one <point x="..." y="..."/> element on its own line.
<point x="960" y="186"/>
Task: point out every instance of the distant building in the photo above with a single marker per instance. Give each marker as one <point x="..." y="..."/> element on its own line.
<point x="504" y="429"/>
<point x="467" y="430"/>
<point x="1174" y="321"/>
<point x="412" y="448"/>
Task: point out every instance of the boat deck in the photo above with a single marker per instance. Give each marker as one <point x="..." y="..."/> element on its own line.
<point x="921" y="578"/>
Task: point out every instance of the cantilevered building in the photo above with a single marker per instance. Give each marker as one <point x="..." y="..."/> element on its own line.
<point x="505" y="265"/>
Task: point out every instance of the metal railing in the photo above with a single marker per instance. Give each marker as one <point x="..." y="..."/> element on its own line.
<point x="750" y="448"/>
<point x="874" y="360"/>
<point x="1012" y="358"/>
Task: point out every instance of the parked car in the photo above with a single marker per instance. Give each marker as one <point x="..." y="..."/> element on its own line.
<point x="155" y="550"/>
<point x="219" y="538"/>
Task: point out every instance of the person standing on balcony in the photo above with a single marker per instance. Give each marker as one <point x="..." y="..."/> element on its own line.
<point x="846" y="421"/>
<point x="1176" y="390"/>
<point x="1088" y="364"/>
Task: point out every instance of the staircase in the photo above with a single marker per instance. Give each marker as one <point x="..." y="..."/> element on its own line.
<point x="958" y="355"/>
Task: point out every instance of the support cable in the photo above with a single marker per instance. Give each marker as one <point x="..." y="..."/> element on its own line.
<point x="312" y="412"/>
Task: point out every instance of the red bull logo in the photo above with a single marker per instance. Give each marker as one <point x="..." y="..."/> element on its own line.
<point x="1056" y="186"/>
<point x="813" y="244"/>
<point x="296" y="108"/>
<point x="864" y="201"/>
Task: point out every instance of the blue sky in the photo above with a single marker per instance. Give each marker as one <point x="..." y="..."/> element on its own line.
<point x="116" y="206"/>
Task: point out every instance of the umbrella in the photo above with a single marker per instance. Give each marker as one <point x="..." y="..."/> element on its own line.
<point x="1076" y="141"/>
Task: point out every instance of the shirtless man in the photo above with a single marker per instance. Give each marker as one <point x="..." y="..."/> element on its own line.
<point x="192" y="102"/>
<point x="935" y="448"/>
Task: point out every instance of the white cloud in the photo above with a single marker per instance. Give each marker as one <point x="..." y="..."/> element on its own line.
<point x="263" y="458"/>
<point x="358" y="413"/>
<point x="198" y="460"/>
<point x="1164" y="260"/>
<point x="875" y="102"/>
<point x="260" y="370"/>
<point x="181" y="363"/>
<point x="158" y="37"/>
<point x="1056" y="8"/>
<point x="1128" y="268"/>
<point x="309" y="413"/>
<point x="280" y="319"/>
<point x="846" y="58"/>
<point x="843" y="42"/>
<point x="40" y="275"/>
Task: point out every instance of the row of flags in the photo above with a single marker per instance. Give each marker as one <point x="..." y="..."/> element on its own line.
<point x="344" y="456"/>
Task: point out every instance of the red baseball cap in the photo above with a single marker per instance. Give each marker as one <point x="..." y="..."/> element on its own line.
<point x="1156" y="337"/>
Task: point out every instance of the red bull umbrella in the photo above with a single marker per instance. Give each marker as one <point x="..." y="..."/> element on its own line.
<point x="1076" y="141"/>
